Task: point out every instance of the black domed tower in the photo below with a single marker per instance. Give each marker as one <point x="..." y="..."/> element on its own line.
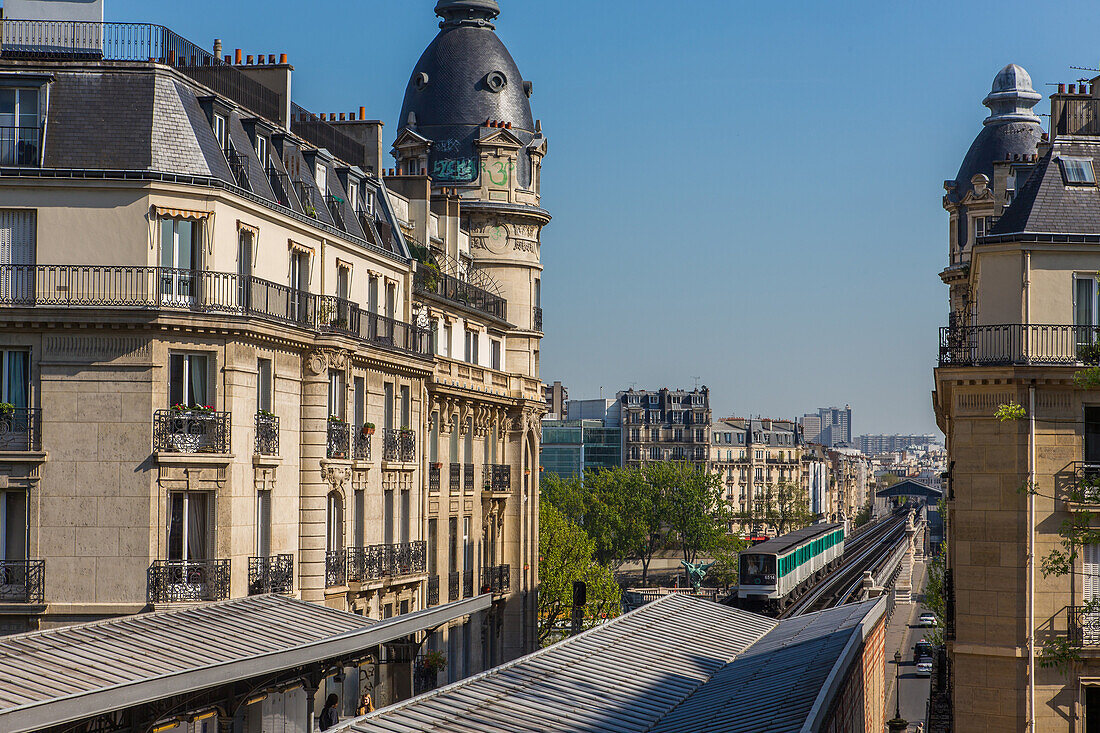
<point x="467" y="120"/>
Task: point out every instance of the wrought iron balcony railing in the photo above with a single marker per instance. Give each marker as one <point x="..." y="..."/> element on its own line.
<point x="191" y="431"/>
<point x="182" y="581"/>
<point x="238" y="167"/>
<point x="1084" y="626"/>
<point x="1017" y="345"/>
<point x="378" y="562"/>
<point x="399" y="445"/>
<point x="499" y="580"/>
<point x="433" y="590"/>
<point x="281" y="187"/>
<point x="468" y="584"/>
<point x="336" y="569"/>
<point x="536" y="318"/>
<point x="363" y="445"/>
<point x="455" y="478"/>
<point x="433" y="282"/>
<point x="273" y="574"/>
<point x="1085" y="486"/>
<point x="453" y="581"/>
<point x="21" y="429"/>
<point x="267" y="434"/>
<point x="19" y="146"/>
<point x="201" y="291"/>
<point x="468" y="478"/>
<point x="339" y="440"/>
<point x="22" y="581"/>
<point x="335" y="207"/>
<point x="497" y="478"/>
<point x="434" y="481"/>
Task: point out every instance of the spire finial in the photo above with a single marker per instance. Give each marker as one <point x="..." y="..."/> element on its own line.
<point x="467" y="12"/>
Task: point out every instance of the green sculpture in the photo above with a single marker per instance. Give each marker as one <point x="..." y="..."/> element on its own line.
<point x="696" y="573"/>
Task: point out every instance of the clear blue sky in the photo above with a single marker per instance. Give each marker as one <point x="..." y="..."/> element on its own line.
<point x="744" y="192"/>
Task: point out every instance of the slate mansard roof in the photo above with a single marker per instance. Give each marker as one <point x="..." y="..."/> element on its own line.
<point x="1047" y="205"/>
<point x="678" y="664"/>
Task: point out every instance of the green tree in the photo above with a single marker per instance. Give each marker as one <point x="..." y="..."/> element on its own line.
<point x="724" y="572"/>
<point x="790" y="508"/>
<point x="567" y="554"/>
<point x="695" y="508"/>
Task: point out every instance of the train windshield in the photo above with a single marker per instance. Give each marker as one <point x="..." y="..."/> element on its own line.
<point x="757" y="569"/>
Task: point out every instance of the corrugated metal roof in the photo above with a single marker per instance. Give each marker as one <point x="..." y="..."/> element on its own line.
<point x="620" y="677"/>
<point x="678" y="664"/>
<point x="58" y="675"/>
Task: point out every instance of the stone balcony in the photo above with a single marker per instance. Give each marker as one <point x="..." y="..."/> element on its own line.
<point x="474" y="378"/>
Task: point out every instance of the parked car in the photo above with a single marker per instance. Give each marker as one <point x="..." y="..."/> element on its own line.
<point x="924" y="667"/>
<point x="928" y="619"/>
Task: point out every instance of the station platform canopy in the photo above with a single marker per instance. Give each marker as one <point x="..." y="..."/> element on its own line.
<point x="91" y="672"/>
<point x="676" y="665"/>
<point x="909" y="487"/>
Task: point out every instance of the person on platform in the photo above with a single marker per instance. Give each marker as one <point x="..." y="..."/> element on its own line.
<point x="329" y="716"/>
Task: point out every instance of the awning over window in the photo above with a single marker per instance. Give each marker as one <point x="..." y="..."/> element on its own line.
<point x="170" y="213"/>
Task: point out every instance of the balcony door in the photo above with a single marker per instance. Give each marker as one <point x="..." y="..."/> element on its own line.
<point x="244" y="270"/>
<point x="188" y="527"/>
<point x="1090" y="595"/>
<point x="180" y="252"/>
<point x="299" y="285"/>
<point x="17" y="247"/>
<point x="188" y="380"/>
<point x="13" y="545"/>
<point x="19" y="127"/>
<point x="16" y="421"/>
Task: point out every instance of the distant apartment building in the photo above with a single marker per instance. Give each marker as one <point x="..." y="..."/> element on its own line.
<point x="879" y="443"/>
<point x="754" y="458"/>
<point x="665" y="425"/>
<point x="851" y="478"/>
<point x="831" y="426"/>
<point x="556" y="396"/>
<point x="815" y="479"/>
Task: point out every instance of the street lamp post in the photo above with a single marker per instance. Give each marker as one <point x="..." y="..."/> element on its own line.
<point x="897" y="725"/>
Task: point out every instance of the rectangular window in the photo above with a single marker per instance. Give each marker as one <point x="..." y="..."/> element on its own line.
<point x="467" y="548"/>
<point x="221" y="132"/>
<point x="452" y="544"/>
<point x="188" y="524"/>
<point x="1085" y="309"/>
<point x="343" y="283"/>
<point x="19" y="127"/>
<point x="360" y="406"/>
<point x="262" y="151"/>
<point x="353" y="196"/>
<point x="18" y="230"/>
<point x="1092" y="434"/>
<point x="322" y="178"/>
<point x="180" y="255"/>
<point x="1077" y="171"/>
<point x="336" y="393"/>
<point x="494" y="354"/>
<point x="264" y="399"/>
<point x="387" y="516"/>
<point x="13" y="525"/>
<point x="334" y="524"/>
<point x="188" y="380"/>
<point x="433" y="440"/>
<point x="448" y="344"/>
<point x="406" y="516"/>
<point x="471" y="347"/>
<point x="406" y="406"/>
<point x="387" y="398"/>
<point x="1092" y="709"/>
<point x="263" y="523"/>
<point x="372" y="294"/>
<point x="433" y="540"/>
<point x="15" y="377"/>
<point x="360" y="518"/>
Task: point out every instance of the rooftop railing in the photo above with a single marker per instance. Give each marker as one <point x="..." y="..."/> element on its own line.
<point x="78" y="40"/>
<point x="1015" y="345"/>
<point x="201" y="291"/>
<point x="448" y="287"/>
<point x="319" y="132"/>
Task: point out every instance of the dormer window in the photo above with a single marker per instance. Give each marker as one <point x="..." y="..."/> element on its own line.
<point x="353" y="195"/>
<point x="322" y="178"/>
<point x="263" y="150"/>
<point x="221" y="131"/>
<point x="1077" y="171"/>
<point x="20" y="129"/>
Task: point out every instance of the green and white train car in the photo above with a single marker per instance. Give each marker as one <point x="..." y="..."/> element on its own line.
<point x="777" y="571"/>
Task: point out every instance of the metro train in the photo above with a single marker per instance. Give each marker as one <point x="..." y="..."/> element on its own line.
<point x="774" y="573"/>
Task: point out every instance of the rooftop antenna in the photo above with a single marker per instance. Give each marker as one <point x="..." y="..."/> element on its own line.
<point x="696" y="382"/>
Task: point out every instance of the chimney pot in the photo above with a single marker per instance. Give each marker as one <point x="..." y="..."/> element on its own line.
<point x="282" y="58"/>
<point x="341" y="116"/>
<point x="271" y="59"/>
<point x="362" y="113"/>
<point x="238" y="56"/>
<point x="248" y="60"/>
<point x="1061" y="88"/>
<point x="508" y="125"/>
<point x="1072" y="88"/>
<point x="228" y="59"/>
<point x="217" y="48"/>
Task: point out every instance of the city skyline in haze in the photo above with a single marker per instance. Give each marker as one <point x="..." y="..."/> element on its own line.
<point x="774" y="230"/>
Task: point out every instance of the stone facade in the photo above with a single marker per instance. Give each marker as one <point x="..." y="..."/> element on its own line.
<point x="232" y="378"/>
<point x="665" y="425"/>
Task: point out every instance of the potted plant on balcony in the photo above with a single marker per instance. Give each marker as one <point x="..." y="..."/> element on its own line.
<point x="406" y="431"/>
<point x="433" y="662"/>
<point x="367" y="430"/>
<point x="188" y="429"/>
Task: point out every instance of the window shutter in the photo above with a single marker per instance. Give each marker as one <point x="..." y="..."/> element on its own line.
<point x="1091" y="572"/>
